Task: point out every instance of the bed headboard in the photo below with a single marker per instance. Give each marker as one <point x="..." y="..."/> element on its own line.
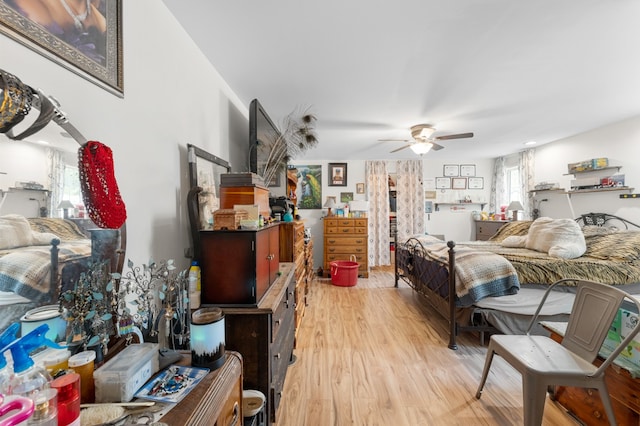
<point x="602" y="219"/>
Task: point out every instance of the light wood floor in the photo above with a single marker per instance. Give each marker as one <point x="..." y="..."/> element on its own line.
<point x="373" y="354"/>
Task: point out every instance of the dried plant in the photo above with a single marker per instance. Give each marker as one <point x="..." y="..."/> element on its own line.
<point x="297" y="136"/>
<point x="87" y="308"/>
<point x="158" y="293"/>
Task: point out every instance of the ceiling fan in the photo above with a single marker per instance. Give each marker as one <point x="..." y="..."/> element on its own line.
<point x="423" y="141"/>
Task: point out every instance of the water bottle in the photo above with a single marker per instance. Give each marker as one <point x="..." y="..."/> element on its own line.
<point x="194" y="285"/>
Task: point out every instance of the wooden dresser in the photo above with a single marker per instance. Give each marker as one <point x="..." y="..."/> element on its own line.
<point x="586" y="405"/>
<point x="486" y="228"/>
<point x="238" y="266"/>
<point x="217" y="400"/>
<point x="344" y="237"/>
<point x="264" y="337"/>
<point x="293" y="249"/>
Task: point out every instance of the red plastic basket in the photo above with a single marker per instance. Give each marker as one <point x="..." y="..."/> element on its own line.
<point x="344" y="273"/>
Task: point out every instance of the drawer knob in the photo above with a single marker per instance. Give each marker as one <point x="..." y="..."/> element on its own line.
<point x="277" y="356"/>
<point x="277" y="322"/>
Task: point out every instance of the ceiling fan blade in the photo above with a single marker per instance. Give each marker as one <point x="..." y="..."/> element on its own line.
<point x="457" y="136"/>
<point x="393" y="140"/>
<point x="401" y="148"/>
<point x="436" y="147"/>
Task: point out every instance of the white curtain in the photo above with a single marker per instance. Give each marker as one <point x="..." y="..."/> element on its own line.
<point x="409" y="199"/>
<point x="378" y="194"/>
<point x="55" y="180"/>
<point x="526" y="166"/>
<point x="498" y="186"/>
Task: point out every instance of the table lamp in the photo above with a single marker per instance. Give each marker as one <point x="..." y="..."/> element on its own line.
<point x="329" y="204"/>
<point x="515" y="206"/>
<point x="65" y="205"/>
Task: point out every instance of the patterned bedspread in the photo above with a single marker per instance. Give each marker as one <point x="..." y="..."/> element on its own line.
<point x="478" y="274"/>
<point x="26" y="270"/>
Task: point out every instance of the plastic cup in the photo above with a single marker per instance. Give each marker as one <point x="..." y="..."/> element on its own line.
<point x="83" y="364"/>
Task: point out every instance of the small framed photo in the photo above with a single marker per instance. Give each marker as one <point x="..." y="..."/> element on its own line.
<point x="459" y="183"/>
<point x="467" y="170"/>
<point x="337" y="174"/>
<point x="346" y="197"/>
<point x="475" y="183"/>
<point x="430" y="194"/>
<point x="359" y="188"/>
<point x="443" y="183"/>
<point x="450" y="170"/>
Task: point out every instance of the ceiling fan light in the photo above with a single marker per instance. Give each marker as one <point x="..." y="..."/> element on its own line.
<point x="421" y="147"/>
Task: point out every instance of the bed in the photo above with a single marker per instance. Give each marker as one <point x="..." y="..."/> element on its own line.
<point x="498" y="283"/>
<point x="38" y="256"/>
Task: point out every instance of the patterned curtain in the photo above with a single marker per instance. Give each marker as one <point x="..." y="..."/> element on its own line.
<point x="498" y="186"/>
<point x="55" y="180"/>
<point x="409" y="198"/>
<point x="378" y="194"/>
<point x="526" y="166"/>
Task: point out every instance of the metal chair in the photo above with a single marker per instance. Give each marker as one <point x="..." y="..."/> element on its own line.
<point x="544" y="363"/>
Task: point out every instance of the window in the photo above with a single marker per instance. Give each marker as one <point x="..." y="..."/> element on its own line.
<point x="71" y="185"/>
<point x="513" y="184"/>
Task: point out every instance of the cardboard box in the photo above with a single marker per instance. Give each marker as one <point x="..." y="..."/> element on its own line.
<point x="587" y="165"/>
<point x="624" y="321"/>
<point x="228" y="219"/>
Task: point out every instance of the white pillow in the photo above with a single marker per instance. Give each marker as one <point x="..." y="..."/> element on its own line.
<point x="561" y="238"/>
<point x="514" y="241"/>
<point x="14" y="231"/>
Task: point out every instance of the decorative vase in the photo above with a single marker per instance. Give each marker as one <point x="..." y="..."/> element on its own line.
<point x="288" y="217"/>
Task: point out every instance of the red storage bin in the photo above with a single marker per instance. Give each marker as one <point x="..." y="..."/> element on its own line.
<point x="344" y="273"/>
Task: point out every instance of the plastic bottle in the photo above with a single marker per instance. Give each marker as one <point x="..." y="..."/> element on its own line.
<point x="32" y="381"/>
<point x="8" y="337"/>
<point x="195" y="285"/>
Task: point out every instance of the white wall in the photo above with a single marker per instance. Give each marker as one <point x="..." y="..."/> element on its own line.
<point x="619" y="143"/>
<point x="173" y="96"/>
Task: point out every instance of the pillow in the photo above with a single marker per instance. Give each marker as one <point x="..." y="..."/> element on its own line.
<point x="42" y="238"/>
<point x="561" y="238"/>
<point x="514" y="241"/>
<point x="14" y="232"/>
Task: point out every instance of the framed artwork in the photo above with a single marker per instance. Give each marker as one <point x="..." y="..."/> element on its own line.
<point x="443" y="183"/>
<point x="308" y="190"/>
<point x="337" y="174"/>
<point x="88" y="43"/>
<point x="450" y="170"/>
<point x="204" y="173"/>
<point x="430" y="194"/>
<point x="346" y="197"/>
<point x="475" y="183"/>
<point x="458" y="183"/>
<point x="359" y="188"/>
<point x="467" y="170"/>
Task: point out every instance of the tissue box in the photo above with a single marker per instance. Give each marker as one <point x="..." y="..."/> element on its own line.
<point x="121" y="377"/>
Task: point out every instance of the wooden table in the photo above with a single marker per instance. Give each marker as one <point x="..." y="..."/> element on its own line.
<point x="217" y="399"/>
<point x="586" y="405"/>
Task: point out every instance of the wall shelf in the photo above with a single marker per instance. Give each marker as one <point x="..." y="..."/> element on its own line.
<point x="584" y="191"/>
<point x="437" y="205"/>
<point x="616" y="168"/>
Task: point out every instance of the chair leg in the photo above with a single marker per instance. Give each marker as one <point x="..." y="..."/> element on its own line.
<point x="485" y="372"/>
<point x="606" y="401"/>
<point x="534" y="393"/>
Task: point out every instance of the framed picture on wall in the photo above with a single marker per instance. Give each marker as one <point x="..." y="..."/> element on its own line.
<point x="450" y="170"/>
<point x="87" y="42"/>
<point x="458" y="183"/>
<point x="475" y="183"/>
<point x="346" y="197"/>
<point x="467" y="170"/>
<point x="443" y="183"/>
<point x="337" y="174"/>
<point x="359" y="188"/>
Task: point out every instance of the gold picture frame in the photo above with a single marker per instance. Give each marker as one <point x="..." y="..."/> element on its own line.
<point x="93" y="54"/>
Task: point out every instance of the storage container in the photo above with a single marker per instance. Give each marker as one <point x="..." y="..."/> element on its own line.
<point x="344" y="273"/>
<point x="228" y="219"/>
<point x="121" y="377"/>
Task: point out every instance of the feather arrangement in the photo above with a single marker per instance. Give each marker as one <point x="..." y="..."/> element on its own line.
<point x="298" y="135"/>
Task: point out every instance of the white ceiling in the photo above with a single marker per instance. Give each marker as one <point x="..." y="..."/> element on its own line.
<point x="510" y="71"/>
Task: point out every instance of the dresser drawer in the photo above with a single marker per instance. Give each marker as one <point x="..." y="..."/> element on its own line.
<point x="344" y="241"/>
<point x="349" y="249"/>
<point x="280" y="362"/>
<point x="283" y="311"/>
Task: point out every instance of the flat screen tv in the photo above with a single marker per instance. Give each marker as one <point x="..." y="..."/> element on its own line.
<point x="262" y="135"/>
